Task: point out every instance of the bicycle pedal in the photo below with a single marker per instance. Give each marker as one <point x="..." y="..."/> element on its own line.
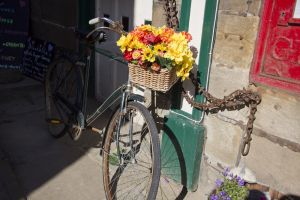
<point x="54" y="121"/>
<point x="95" y="130"/>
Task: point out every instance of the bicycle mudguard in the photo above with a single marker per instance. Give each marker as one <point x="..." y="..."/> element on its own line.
<point x="132" y="97"/>
<point x="136" y="97"/>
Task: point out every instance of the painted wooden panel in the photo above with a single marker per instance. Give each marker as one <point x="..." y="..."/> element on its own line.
<point x="277" y="57"/>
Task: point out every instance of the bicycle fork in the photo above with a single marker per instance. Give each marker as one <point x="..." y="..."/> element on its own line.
<point x="123" y="111"/>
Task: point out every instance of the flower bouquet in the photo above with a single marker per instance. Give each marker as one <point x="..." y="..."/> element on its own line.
<point x="157" y="57"/>
<point x="232" y="187"/>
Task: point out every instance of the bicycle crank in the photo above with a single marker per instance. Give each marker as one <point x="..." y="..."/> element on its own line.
<point x="76" y="126"/>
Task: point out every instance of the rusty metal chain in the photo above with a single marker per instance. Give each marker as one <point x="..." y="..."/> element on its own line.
<point x="171" y="13"/>
<point x="234" y="101"/>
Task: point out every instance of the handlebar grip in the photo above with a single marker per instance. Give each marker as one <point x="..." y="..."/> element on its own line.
<point x="94" y="21"/>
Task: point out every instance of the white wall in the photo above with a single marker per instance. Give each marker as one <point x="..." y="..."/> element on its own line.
<point x="195" y="29"/>
<point x="142" y="11"/>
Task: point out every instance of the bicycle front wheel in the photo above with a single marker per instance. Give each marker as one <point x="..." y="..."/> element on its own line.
<point x="134" y="172"/>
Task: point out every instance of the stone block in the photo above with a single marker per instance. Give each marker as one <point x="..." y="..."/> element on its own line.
<point x="274" y="166"/>
<point x="224" y="80"/>
<point x="233" y="51"/>
<point x="245" y="27"/>
<point x="235" y="40"/>
<point x="236" y="5"/>
<point x="254" y="7"/>
<point x="223" y="141"/>
<point x="278" y="114"/>
<point x="158" y="16"/>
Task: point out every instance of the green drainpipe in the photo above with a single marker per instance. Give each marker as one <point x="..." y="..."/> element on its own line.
<point x="183" y="136"/>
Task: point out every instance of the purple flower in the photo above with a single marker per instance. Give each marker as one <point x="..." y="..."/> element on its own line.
<point x="214" y="197"/>
<point x="225" y="173"/>
<point x="219" y="182"/>
<point x="228" y="198"/>
<point x="240" y="181"/>
<point x="223" y="193"/>
<point x="230" y="176"/>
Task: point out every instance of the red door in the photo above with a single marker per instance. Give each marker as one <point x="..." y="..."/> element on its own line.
<point x="277" y="56"/>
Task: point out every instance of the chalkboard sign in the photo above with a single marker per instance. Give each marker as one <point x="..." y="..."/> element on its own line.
<point x="14" y="23"/>
<point x="37" y="56"/>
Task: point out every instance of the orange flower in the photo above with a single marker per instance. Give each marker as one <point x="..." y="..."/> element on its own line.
<point x="155" y="67"/>
<point x="166" y="34"/>
<point x="187" y="36"/>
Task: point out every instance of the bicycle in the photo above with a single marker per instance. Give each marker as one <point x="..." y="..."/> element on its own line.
<point x="130" y="145"/>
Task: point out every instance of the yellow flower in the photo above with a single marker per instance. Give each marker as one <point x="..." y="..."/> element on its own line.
<point x="159" y="49"/>
<point x="146" y="27"/>
<point x="169" y="44"/>
<point x="124" y="41"/>
<point x="148" y="55"/>
<point x="136" y="44"/>
<point x="159" y="30"/>
<point x="121" y="43"/>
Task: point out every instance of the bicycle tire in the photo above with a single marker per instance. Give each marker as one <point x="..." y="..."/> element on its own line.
<point x="70" y="86"/>
<point x="115" y="175"/>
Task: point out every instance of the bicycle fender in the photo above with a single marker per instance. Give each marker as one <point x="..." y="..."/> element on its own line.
<point x="136" y="97"/>
<point x="132" y="97"/>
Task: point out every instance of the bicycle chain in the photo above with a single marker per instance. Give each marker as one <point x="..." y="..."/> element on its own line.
<point x="234" y="101"/>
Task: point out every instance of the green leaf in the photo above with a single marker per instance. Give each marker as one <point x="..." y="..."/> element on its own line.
<point x="164" y="62"/>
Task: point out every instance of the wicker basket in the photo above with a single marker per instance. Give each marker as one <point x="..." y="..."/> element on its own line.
<point x="161" y="81"/>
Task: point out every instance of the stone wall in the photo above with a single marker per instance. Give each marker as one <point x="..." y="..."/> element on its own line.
<point x="274" y="158"/>
<point x="159" y="15"/>
<point x="50" y="21"/>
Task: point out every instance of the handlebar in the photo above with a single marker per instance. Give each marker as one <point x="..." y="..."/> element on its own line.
<point x="113" y="26"/>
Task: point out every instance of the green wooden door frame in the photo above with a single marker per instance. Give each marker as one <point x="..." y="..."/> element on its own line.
<point x="206" y="46"/>
<point x="183" y="136"/>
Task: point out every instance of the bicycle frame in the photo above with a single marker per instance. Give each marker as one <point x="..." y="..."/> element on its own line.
<point x="120" y="96"/>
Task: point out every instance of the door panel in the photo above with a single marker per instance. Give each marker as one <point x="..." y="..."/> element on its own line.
<point x="277" y="59"/>
<point x="111" y="74"/>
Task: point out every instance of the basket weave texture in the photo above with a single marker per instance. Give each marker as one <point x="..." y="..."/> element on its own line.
<point x="161" y="81"/>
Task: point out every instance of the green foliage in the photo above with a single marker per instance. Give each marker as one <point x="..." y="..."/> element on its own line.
<point x="164" y="62"/>
<point x="230" y="188"/>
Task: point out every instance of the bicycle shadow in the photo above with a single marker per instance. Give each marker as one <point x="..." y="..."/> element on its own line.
<point x="173" y="168"/>
<point x="33" y="163"/>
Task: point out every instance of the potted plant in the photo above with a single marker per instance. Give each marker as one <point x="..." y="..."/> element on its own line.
<point x="231" y="187"/>
<point x="157" y="57"/>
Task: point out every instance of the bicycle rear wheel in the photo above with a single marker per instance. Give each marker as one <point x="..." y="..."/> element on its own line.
<point x="136" y="176"/>
<point x="63" y="79"/>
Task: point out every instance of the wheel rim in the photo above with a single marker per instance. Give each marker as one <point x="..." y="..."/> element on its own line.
<point x="132" y="178"/>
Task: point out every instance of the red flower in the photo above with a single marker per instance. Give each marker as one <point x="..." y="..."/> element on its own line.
<point x="128" y="56"/>
<point x="187" y="36"/>
<point x="150" y="38"/>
